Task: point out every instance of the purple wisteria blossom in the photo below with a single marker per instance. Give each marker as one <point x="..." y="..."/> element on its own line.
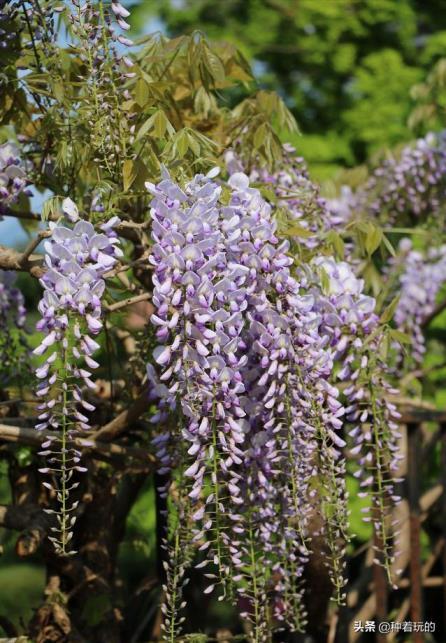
<point x="14" y="351"/>
<point x="100" y="33"/>
<point x="13" y="176"/>
<point x="352" y="326"/>
<point x="12" y="302"/>
<point x="246" y="359"/>
<point x="304" y="211"/>
<point x="289" y="401"/>
<point x="407" y="187"/>
<point x="199" y="299"/>
<point x="76" y="260"/>
<point x="421" y="276"/>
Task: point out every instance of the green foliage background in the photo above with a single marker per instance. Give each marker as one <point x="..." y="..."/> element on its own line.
<point x="344" y="67"/>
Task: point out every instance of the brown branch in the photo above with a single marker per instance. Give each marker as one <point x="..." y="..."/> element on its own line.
<point x="33" y="245"/>
<point x="131" y="230"/>
<point x="31" y="520"/>
<point x="25" y="261"/>
<point x="35" y="438"/>
<point x="127" y="302"/>
<point x="415" y="415"/>
<point x="18" y="518"/>
<point x="12" y="260"/>
<point x="122" y="421"/>
<point x="28" y="216"/>
<point x="124" y="267"/>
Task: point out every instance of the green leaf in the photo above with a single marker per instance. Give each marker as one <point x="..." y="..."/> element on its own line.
<point x="59" y="91"/>
<point x="129" y="173"/>
<point x="399" y="336"/>
<point x="261" y="135"/>
<point x="141" y="92"/>
<point x="389" y="246"/>
<point x="325" y="280"/>
<point x="389" y="312"/>
<point x="373" y="277"/>
<point x="266" y="192"/>
<point x="158" y="123"/>
<point x="181" y="143"/>
<point x="373" y="239"/>
<point x="214" y="66"/>
<point x="193" y="143"/>
<point x="335" y="240"/>
<point x="296" y="230"/>
<point x="52" y="207"/>
<point x="145" y="128"/>
<point x="202" y="102"/>
<point x="384" y="346"/>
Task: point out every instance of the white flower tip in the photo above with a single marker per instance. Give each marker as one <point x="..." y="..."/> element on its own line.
<point x="150" y="187"/>
<point x="69" y="208"/>
<point x="239" y="181"/>
<point x="213" y="173"/>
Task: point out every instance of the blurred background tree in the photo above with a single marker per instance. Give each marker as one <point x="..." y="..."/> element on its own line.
<point x="344" y="67"/>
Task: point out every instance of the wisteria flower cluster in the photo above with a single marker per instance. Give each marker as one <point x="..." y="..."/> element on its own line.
<point x="8" y="12"/>
<point x="12" y="301"/>
<point x="296" y="195"/>
<point x="13" y="176"/>
<point x="100" y="35"/>
<point x="13" y="347"/>
<point x="355" y="337"/>
<point x="246" y="355"/>
<point x="421" y="276"/>
<point x="77" y="259"/>
<point x="409" y="187"/>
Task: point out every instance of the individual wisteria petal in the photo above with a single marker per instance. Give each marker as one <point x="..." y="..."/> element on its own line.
<point x="119" y="10"/>
<point x="70" y="210"/>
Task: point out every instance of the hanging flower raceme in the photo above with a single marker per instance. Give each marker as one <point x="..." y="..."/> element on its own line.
<point x="100" y="34"/>
<point x="245" y="359"/>
<point x="286" y="398"/>
<point x="410" y="186"/>
<point x="304" y="214"/>
<point x="199" y="299"/>
<point x="76" y="260"/>
<point x="264" y="543"/>
<point x="420" y="278"/>
<point x="355" y="337"/>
